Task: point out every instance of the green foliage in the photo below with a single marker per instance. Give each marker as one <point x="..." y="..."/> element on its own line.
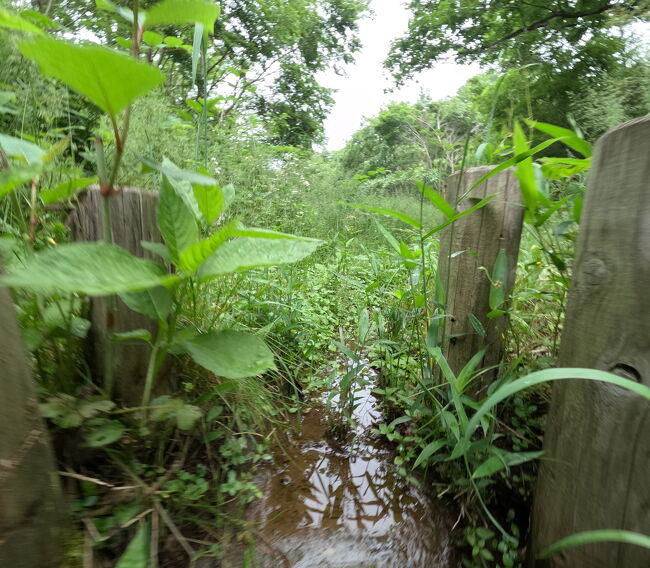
<point x="87" y="268"/>
<point x="231" y="354"/>
<point x="108" y="79"/>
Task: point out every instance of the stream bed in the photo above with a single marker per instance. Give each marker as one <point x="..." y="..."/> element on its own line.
<point x="338" y="504"/>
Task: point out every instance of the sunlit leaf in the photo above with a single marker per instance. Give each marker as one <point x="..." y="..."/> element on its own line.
<point x="13" y="21"/>
<point x="195" y="255"/>
<point x="107" y="78"/>
<point x="245" y="253"/>
<point x="570" y="138"/>
<point x="183" y="12"/>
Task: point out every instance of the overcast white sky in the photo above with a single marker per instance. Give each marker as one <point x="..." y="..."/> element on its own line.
<point x="361" y="93"/>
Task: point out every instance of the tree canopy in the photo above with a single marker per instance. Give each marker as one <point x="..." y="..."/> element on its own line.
<point x="550" y="52"/>
<point x="556" y="31"/>
<point x="262" y="55"/>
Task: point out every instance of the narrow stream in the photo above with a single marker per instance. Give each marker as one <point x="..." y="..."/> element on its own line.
<point x="342" y="505"/>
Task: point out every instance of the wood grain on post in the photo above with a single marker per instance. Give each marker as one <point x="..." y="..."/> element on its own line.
<point x="596" y="474"/>
<point x="133" y="213"/>
<point x="472" y="242"/>
<point x="30" y="500"/>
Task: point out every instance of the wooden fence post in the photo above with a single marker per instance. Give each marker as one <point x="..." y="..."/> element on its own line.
<point x="133" y="213"/>
<point x="596" y="474"/>
<point x="469" y="243"/>
<point x="30" y="499"/>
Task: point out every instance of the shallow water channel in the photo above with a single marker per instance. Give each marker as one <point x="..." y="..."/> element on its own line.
<point x="342" y="505"/>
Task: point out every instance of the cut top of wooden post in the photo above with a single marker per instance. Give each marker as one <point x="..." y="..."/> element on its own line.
<point x="470" y="243"/>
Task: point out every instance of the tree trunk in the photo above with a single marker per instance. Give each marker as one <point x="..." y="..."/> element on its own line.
<point x="30" y="499"/>
<point x="597" y="468"/>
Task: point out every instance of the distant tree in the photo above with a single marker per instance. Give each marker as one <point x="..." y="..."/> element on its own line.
<point x="409" y="140"/>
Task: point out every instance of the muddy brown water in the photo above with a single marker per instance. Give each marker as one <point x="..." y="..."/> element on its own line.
<point x="342" y="505"/>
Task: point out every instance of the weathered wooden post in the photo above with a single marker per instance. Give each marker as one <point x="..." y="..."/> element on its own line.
<point x="596" y="474"/>
<point x="133" y="213"/>
<point x="30" y="500"/>
<point x="471" y="242"/>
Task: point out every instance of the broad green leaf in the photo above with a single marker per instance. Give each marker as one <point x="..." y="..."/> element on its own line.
<point x="397" y="214"/>
<point x="436" y="199"/>
<point x="136" y="554"/>
<point x="173" y="41"/>
<point x="559" y="168"/>
<point x="231" y="354"/>
<point x="210" y="200"/>
<point x="40" y="20"/>
<point x="28" y="151"/>
<point x="66" y="189"/>
<point x="245" y="253"/>
<point x="176" y="221"/>
<point x="17" y="176"/>
<point x="590" y="537"/>
<point x="96" y="269"/>
<point x="429" y="450"/>
<point x="152" y="38"/>
<point x="537" y="378"/>
<point x="498" y="286"/>
<point x="194" y="256"/>
<point x="155" y="303"/>
<point x="103" y="431"/>
<point x="183" y="12"/>
<point x="107" y="78"/>
<point x="13" y="21"/>
<point x="570" y="138"/>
